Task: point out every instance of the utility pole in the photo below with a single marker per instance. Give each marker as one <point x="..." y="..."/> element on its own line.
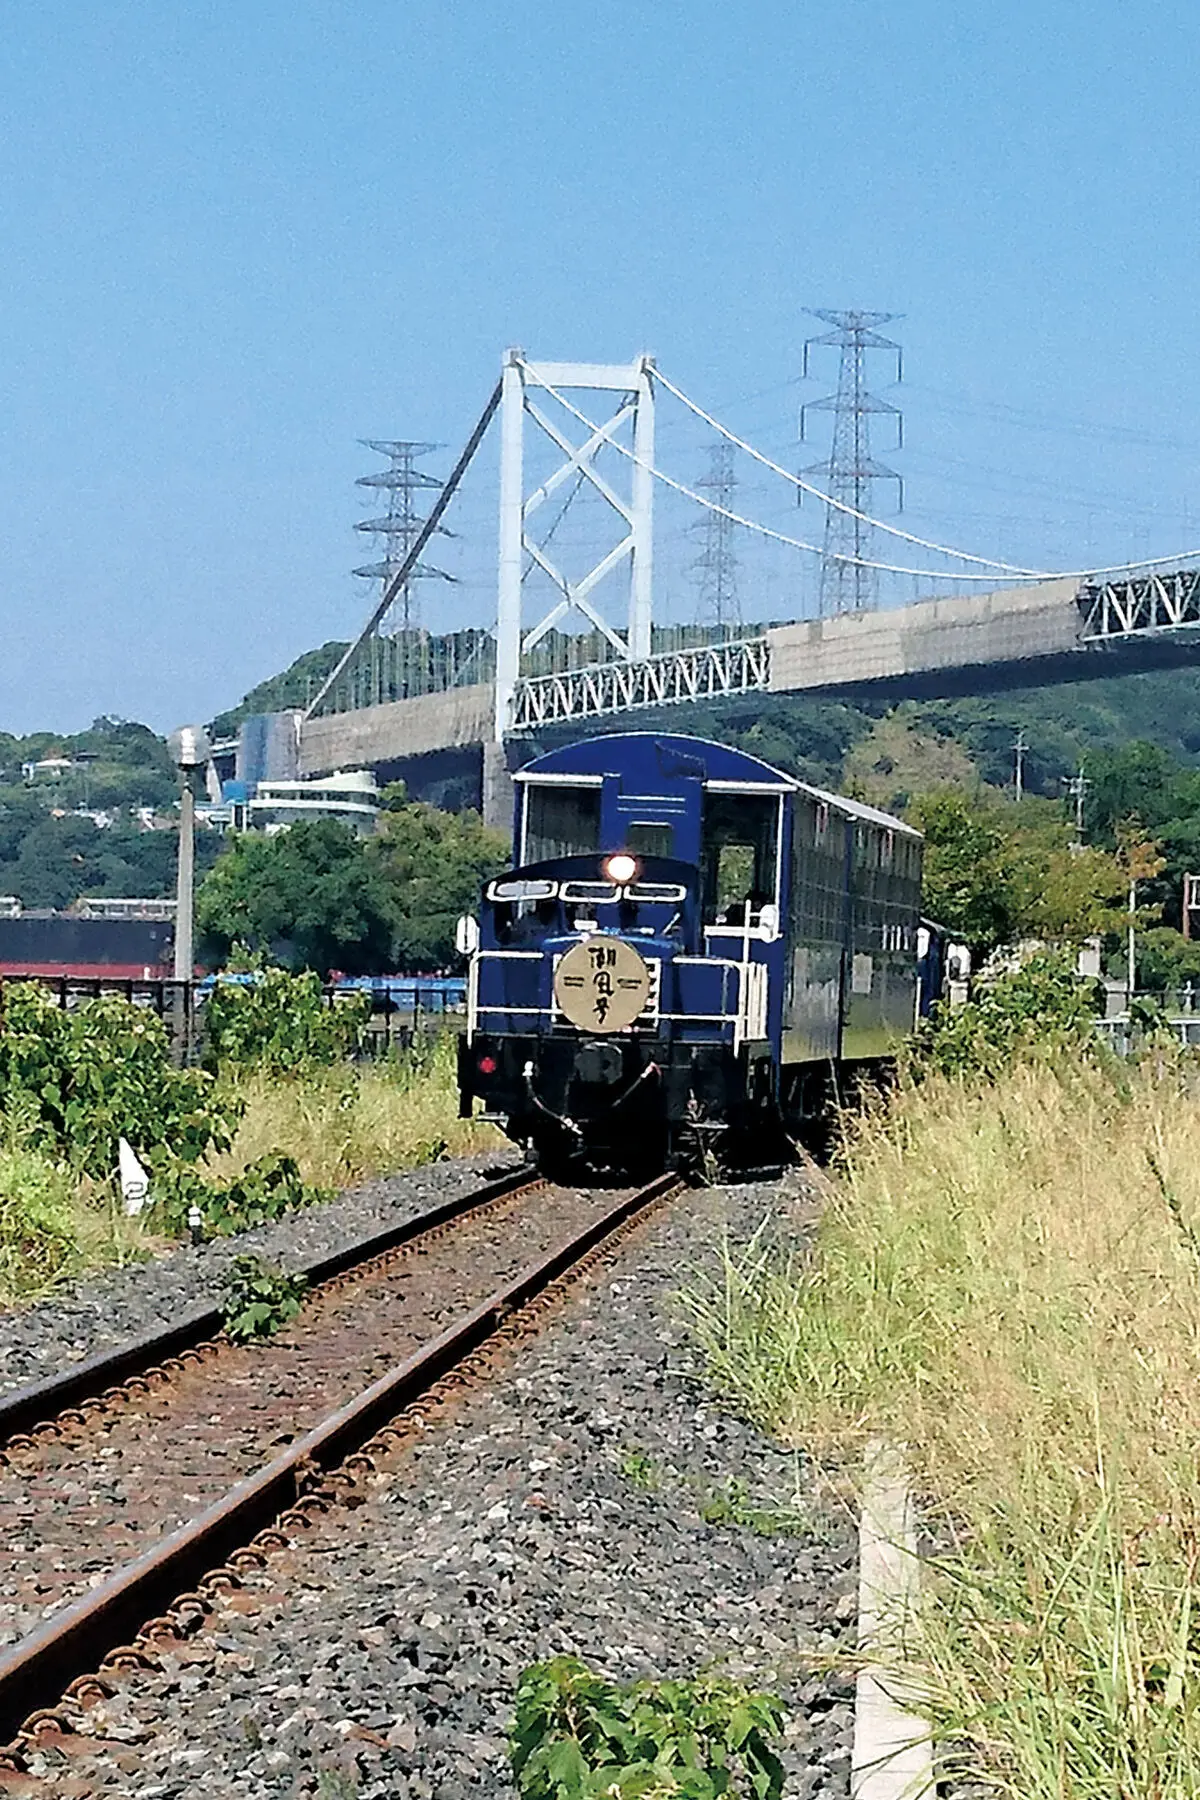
<point x="402" y="481"/>
<point x="717" y="564"/>
<point x="1019" y="749"/>
<point x="1142" y="862"/>
<point x="847" y="583"/>
<point x="1077" y="787"/>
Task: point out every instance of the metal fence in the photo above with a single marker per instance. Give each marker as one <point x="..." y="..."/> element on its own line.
<point x="402" y="1009"/>
<point x="1120" y="1031"/>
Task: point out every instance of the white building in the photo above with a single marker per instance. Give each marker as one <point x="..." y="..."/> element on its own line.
<point x="348" y="794"/>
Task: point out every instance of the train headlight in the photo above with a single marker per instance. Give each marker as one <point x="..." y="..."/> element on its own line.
<point x="620" y="868"/>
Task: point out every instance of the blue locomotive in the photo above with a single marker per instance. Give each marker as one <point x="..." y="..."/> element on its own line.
<point x="691" y="952"/>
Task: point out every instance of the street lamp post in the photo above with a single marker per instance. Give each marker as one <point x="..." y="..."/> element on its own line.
<point x="190" y="750"/>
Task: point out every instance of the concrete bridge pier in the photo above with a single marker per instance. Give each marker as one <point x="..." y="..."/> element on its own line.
<point x="498" y="789"/>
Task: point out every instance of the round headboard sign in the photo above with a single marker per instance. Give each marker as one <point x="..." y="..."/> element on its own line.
<point x="601" y="984"/>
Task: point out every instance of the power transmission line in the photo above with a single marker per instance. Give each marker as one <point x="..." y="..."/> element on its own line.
<point x="847" y="583"/>
<point x="716" y="565"/>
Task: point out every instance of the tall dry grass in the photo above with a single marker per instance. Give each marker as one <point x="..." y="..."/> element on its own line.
<point x="1007" y="1281"/>
<point x="344" y="1124"/>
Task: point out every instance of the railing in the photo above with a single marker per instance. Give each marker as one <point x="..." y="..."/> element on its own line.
<point x="742" y="1011"/>
<point x="1140" y="603"/>
<point x="704" y="672"/>
<point x="401" y="1011"/>
<point x="1119" y="1031"/>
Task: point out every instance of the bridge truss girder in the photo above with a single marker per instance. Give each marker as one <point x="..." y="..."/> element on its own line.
<point x="1139" y="605"/>
<point x="703" y="672"/>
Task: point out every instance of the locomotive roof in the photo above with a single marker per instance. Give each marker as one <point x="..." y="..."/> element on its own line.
<point x="649" y="753"/>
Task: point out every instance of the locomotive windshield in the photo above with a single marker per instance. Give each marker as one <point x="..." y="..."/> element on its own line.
<point x="561" y="821"/>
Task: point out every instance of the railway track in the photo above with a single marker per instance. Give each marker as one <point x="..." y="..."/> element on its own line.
<point x="151" y="1472"/>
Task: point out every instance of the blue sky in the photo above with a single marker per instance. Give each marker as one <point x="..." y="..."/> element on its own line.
<point x="239" y="236"/>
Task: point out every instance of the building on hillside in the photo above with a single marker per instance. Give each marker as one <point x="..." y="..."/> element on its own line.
<point x="48" y="768"/>
<point x="349" y="795"/>
<point x="105" y="906"/>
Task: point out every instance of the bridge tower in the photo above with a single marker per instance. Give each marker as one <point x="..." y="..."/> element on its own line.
<point x="529" y="399"/>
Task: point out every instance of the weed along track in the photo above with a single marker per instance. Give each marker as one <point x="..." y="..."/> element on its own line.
<point x="135" y="1493"/>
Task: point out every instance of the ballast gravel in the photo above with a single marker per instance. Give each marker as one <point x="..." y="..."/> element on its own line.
<point x="558" y="1506"/>
<point x="109" y="1308"/>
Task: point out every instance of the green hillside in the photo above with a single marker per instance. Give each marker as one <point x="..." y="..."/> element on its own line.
<point x="92" y="814"/>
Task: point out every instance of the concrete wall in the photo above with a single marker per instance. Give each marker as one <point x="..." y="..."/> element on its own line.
<point x="1009" y="626"/>
<point x="378" y="734"/>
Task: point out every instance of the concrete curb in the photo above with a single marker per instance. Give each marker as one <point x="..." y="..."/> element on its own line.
<point x="892" y="1757"/>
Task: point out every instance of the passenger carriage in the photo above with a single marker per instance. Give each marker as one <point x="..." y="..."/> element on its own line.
<point x="691" y="949"/>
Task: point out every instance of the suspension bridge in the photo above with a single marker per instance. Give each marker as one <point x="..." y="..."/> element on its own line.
<point x="572" y="648"/>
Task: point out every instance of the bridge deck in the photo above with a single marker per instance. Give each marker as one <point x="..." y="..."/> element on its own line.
<point x="1015" y="637"/>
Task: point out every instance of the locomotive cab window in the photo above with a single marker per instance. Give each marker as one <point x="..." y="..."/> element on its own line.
<point x="738" y="856"/>
<point x="561" y="821"/>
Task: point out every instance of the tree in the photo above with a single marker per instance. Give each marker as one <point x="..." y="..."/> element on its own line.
<point x="967" y="884"/>
<point x="997" y="873"/>
<point x="293" y="686"/>
<point x="1138" y="780"/>
<point x="21" y="812"/>
<point x="51" y="866"/>
<point x="434" y="865"/>
<point x="311" y="897"/>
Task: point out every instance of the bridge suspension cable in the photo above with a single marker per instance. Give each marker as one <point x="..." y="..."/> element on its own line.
<point x="396" y="584"/>
<point x="798" y="481"/>
<point x="768" y="531"/>
<point x="1177" y="558"/>
<point x="807" y="487"/>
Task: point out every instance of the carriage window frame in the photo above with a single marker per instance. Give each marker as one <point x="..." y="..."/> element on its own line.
<point x="769" y="842"/>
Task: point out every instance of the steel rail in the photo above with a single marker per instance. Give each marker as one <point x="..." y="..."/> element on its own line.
<point x="39" y="1401"/>
<point x="34" y="1672"/>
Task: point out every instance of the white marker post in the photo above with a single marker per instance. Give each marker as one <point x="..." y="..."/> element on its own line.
<point x="892" y="1757"/>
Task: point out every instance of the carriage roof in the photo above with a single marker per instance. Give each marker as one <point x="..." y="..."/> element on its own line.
<point x="647" y="755"/>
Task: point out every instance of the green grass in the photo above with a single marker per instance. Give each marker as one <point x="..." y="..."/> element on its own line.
<point x="342" y="1125"/>
<point x="53" y="1226"/>
<point x="1006" y="1282"/>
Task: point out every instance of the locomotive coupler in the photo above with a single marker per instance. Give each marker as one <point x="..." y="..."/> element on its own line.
<point x="536" y="1101"/>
